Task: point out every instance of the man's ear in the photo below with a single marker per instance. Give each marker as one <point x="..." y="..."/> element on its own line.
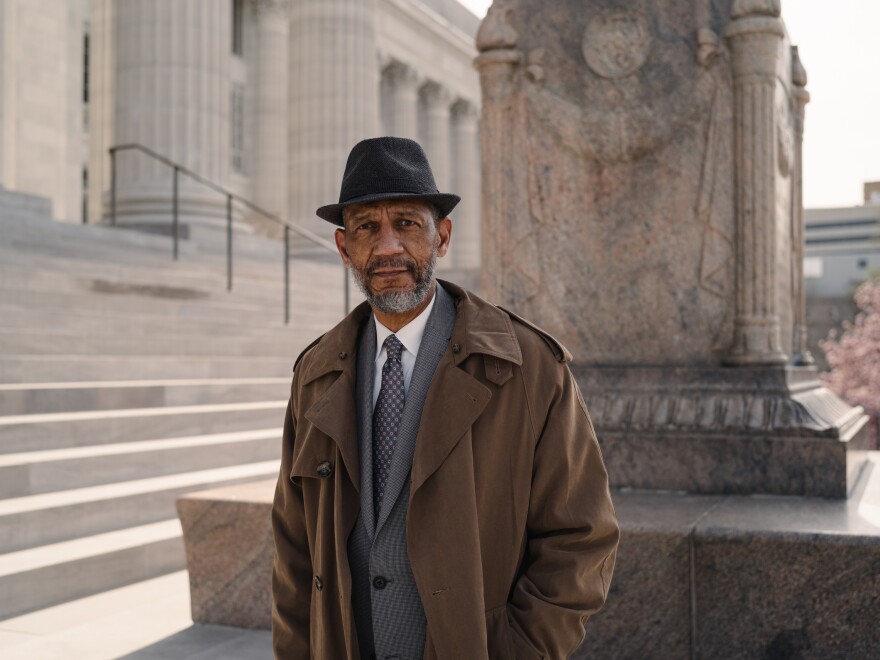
<point x="339" y="235"/>
<point x="444" y="234"/>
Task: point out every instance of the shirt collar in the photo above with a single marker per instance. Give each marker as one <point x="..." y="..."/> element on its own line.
<point x="409" y="335"/>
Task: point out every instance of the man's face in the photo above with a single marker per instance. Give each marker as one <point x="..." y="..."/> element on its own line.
<point x="391" y="247"/>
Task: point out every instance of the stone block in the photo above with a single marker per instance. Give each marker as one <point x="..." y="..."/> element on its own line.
<point x="697" y="576"/>
<point x="227" y="533"/>
<point x="789" y="579"/>
<point x="653" y="567"/>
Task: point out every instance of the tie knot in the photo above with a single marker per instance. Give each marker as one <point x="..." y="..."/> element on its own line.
<point x="394" y="347"/>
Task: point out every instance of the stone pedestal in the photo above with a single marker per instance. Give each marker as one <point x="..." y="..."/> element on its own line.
<point x="227" y="533"/>
<point x="697" y="576"/>
<point x="640" y="190"/>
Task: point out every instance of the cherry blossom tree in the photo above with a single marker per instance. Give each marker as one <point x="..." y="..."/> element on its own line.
<point x="854" y="355"/>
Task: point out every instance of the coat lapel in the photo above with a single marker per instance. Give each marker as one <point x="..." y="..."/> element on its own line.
<point x="364" y="401"/>
<point x="332" y="413"/>
<point x="455" y="401"/>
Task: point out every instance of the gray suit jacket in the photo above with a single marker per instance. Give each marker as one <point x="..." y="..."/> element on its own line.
<point x="389" y="617"/>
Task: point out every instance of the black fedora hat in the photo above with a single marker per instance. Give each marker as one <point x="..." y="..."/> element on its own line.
<point x="387" y="168"/>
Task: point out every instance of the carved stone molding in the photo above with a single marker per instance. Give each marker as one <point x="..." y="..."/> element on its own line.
<point x="747" y="430"/>
<point x="743" y="8"/>
<point x="280" y="7"/>
<point x="400" y="75"/>
<point x="465" y="111"/>
<point x="496" y="32"/>
<point x="436" y="96"/>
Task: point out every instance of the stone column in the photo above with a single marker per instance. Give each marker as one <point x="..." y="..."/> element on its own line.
<point x="435" y="101"/>
<point x="173" y="96"/>
<point x="754" y="35"/>
<point x="503" y="175"/>
<point x="334" y="98"/>
<point x="800" y="348"/>
<point x="402" y="82"/>
<point x="270" y="174"/>
<point x="466" y="183"/>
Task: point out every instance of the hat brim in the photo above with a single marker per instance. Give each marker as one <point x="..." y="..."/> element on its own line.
<point x="444" y="202"/>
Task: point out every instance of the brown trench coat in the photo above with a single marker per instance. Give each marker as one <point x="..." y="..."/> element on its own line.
<point x="510" y="529"/>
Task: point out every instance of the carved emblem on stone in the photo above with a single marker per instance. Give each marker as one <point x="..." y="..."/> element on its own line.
<point x="616" y="44"/>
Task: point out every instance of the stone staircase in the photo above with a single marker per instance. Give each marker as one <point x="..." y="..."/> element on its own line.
<point x="127" y="380"/>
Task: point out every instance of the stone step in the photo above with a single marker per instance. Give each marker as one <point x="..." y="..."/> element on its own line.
<point x="61" y="342"/>
<point x="58" y="368"/>
<point x="85" y="322"/>
<point x="53" y="517"/>
<point x="25" y="268"/>
<point x="36" y="398"/>
<point x="33" y="276"/>
<point x="36" y="472"/>
<point x="93" y="239"/>
<point x="22" y="207"/>
<point x="25" y="433"/>
<point x="319" y="302"/>
<point x="38" y="577"/>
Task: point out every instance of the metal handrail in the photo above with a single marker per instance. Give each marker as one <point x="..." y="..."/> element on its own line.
<point x="230" y="197"/>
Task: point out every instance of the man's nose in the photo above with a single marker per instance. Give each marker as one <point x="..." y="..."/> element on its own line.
<point x="388" y="241"/>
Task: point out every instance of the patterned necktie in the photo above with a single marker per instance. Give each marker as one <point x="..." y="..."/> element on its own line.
<point x="386" y="418"/>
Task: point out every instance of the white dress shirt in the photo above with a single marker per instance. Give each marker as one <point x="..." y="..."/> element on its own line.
<point x="410" y="336"/>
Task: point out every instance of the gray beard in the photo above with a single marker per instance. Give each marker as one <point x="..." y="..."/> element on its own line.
<point x="397" y="302"/>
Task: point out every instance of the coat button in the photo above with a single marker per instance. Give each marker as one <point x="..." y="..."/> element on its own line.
<point x="318" y="584"/>
<point x="379" y="582"/>
<point x="343" y="355"/>
<point x="324" y="469"/>
<point x="456" y="348"/>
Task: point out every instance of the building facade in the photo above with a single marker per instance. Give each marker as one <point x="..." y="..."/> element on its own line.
<point x="262" y="97"/>
<point x="842" y="247"/>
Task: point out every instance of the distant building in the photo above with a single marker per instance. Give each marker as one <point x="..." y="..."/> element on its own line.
<point x="842" y="246"/>
<point x="263" y="97"/>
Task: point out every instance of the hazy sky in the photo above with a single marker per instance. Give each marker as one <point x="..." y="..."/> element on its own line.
<point x="839" y="43"/>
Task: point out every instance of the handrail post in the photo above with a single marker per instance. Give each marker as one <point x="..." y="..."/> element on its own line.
<point x="229" y="242"/>
<point x="175" y="222"/>
<point x="286" y="274"/>
<point x="345" y="275"/>
<point x="112" y="187"/>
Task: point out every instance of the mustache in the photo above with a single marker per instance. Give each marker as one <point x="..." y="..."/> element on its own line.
<point x="398" y="262"/>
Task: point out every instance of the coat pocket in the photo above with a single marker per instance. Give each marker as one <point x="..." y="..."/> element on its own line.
<point x="498" y="634"/>
<point x="503" y="643"/>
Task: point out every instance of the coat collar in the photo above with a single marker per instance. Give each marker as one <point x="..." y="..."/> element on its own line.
<point x="481" y="328"/>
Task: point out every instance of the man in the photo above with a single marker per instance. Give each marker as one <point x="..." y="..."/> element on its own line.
<point x="441" y="494"/>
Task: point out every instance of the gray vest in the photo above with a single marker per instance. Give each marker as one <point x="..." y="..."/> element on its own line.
<point x="388" y="612"/>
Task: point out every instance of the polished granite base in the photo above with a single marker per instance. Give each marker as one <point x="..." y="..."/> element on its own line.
<point x="725" y="430"/>
<point x="744" y="577"/>
<point x="697" y="576"/>
<point x="228" y="537"/>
